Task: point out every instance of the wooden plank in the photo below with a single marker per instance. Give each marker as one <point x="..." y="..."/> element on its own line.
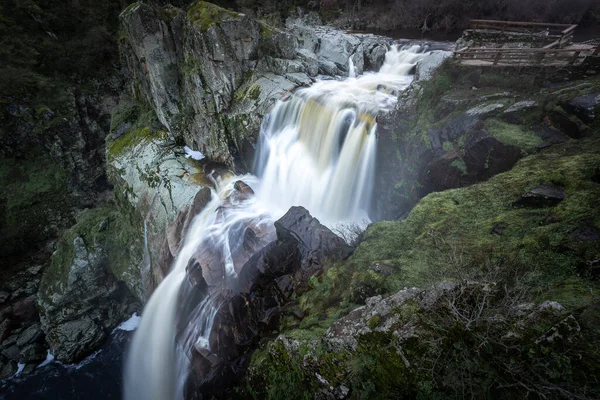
<point x="520" y="23"/>
<point x="523" y="50"/>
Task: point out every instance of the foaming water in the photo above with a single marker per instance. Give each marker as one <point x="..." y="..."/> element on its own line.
<point x="317" y="150"/>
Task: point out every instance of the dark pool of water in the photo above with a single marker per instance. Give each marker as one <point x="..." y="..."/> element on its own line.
<point x="99" y="377"/>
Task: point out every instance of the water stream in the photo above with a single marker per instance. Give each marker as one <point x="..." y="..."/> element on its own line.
<point x="317" y="149"/>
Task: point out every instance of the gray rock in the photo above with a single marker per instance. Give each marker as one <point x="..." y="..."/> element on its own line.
<point x="327" y="67"/>
<point x="520" y="106"/>
<point x="484" y="110"/>
<point x="542" y="196"/>
<point x="32" y="353"/>
<point x="8" y="369"/>
<point x="428" y="65"/>
<point x="30" y="335"/>
<point x="75" y="293"/>
<point x="585" y="107"/>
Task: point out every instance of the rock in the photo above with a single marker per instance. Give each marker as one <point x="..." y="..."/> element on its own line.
<point x="5" y="326"/>
<point x="551" y="136"/>
<point x="7" y="370"/>
<point x="382" y="269"/>
<point x="514" y="113"/>
<point x="245" y="191"/>
<point x="585" y="107"/>
<point x="178" y="228"/>
<point x="483" y="111"/>
<point x="327" y="67"/>
<point x="32" y="353"/>
<point x="427" y="66"/>
<point x="542" y="196"/>
<point x="568" y="124"/>
<point x="585" y="233"/>
<point x="71" y="340"/>
<point x="317" y="243"/>
<point x="30" y="335"/>
<point x="79" y="298"/>
<point x="13" y="353"/>
<point x="498" y="228"/>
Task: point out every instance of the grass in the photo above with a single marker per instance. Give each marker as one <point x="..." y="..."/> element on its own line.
<point x="513" y="135"/>
<point x="205" y="15"/>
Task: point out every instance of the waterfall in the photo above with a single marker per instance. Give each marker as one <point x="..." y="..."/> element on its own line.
<point x="351" y="68"/>
<point x="318" y="150"/>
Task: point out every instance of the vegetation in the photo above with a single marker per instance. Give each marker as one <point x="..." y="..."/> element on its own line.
<point x="206" y="14"/>
<point x="34" y="203"/>
<point x="103" y="229"/>
<point x="470" y="340"/>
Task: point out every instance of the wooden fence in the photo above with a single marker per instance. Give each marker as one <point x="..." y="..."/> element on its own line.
<point x="562" y="33"/>
<point x="525" y="56"/>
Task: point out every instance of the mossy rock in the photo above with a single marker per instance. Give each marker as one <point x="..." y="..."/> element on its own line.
<point x="462" y="220"/>
<point x="205" y="15"/>
<point x="104" y="227"/>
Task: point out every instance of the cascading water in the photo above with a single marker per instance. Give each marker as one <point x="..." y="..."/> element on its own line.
<point x="317" y="150"/>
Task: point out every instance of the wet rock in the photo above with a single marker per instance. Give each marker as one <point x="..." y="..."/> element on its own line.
<point x="8" y="369"/>
<point x="317" y="243"/>
<point x="72" y="340"/>
<point x="569" y="124"/>
<point x="586" y="107"/>
<point x="245" y="191"/>
<point x="551" y="136"/>
<point x="542" y="196"/>
<point x="5" y="326"/>
<point x="32" y="353"/>
<point x="79" y="299"/>
<point x="426" y="68"/>
<point x="178" y="228"/>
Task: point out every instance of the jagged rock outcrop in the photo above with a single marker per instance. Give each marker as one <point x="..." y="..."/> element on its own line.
<point x="80" y="298"/>
<point x="447" y="133"/>
<point x="210" y="74"/>
<point x="265" y="285"/>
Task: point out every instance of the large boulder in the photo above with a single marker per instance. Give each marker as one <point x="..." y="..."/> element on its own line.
<point x="80" y="299"/>
<point x="265" y="285"/>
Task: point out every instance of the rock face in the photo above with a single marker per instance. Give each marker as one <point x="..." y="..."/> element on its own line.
<point x="211" y="74"/>
<point x="447" y="133"/>
<point x="80" y="299"/>
<point x="265" y="284"/>
<point x="21" y="336"/>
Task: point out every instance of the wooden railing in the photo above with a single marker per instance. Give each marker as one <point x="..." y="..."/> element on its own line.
<point x="525" y="56"/>
<point x="563" y="33"/>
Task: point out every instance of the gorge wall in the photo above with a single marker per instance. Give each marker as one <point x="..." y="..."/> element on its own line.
<point x="519" y="152"/>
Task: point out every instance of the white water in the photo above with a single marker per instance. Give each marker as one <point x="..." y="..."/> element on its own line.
<point x="317" y="150"/>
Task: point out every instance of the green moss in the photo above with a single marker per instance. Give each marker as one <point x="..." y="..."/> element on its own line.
<point x="143" y="129"/>
<point x="374" y="322"/>
<point x="266" y="31"/>
<point x="34" y="201"/>
<point x="513" y="135"/>
<point x="205" y="14"/>
<point x="455" y="226"/>
<point x="102" y="227"/>
<point x="460" y="165"/>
